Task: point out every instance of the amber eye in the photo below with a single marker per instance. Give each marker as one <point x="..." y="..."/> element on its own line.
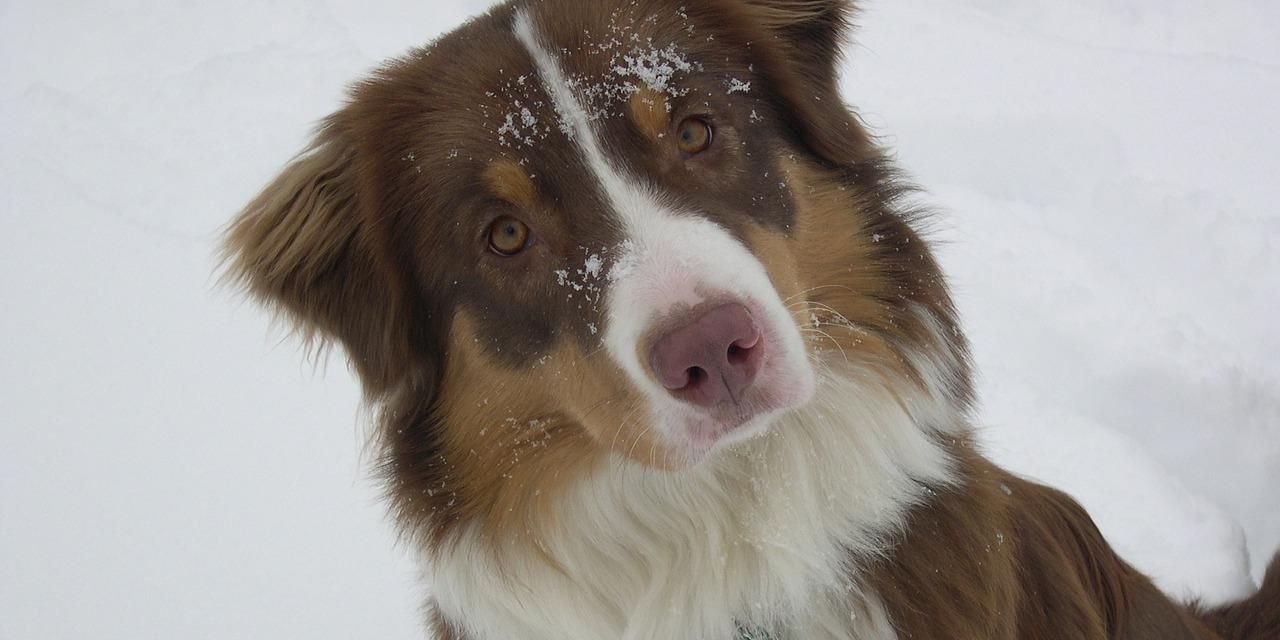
<point x="508" y="236"/>
<point x="694" y="136"/>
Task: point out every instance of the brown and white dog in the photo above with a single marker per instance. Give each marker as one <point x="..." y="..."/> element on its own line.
<point x="658" y="350"/>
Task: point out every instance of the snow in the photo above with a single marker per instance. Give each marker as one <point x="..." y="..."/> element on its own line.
<point x="171" y="468"/>
<point x="656" y="68"/>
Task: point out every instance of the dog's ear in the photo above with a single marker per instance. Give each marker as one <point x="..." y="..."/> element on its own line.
<point x="800" y="53"/>
<point x="305" y="247"/>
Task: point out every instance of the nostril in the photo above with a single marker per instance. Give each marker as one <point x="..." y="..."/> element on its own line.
<point x="738" y="354"/>
<point x="694" y="377"/>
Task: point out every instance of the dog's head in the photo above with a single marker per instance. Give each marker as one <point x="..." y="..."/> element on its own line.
<point x="578" y="231"/>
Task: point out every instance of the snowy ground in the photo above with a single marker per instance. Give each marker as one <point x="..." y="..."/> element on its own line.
<point x="170" y="468"/>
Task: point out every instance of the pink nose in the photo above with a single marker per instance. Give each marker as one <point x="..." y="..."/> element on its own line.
<point x="712" y="360"/>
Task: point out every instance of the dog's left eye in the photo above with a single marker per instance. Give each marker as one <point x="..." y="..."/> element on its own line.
<point x="694" y="136"/>
<point x="508" y="236"/>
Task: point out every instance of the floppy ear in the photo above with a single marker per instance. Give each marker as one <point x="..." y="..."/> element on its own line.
<point x="304" y="247"/>
<point x="800" y="55"/>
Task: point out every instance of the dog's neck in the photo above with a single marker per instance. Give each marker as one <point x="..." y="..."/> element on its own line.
<point x="765" y="535"/>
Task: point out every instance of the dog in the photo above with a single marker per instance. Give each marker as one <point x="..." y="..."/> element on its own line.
<point x="658" y="350"/>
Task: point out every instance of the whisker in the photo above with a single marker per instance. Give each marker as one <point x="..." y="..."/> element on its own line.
<point x="818" y="288"/>
<point x="824" y="334"/>
<point x="814" y="304"/>
<point x="637" y="439"/>
<point x="622" y="425"/>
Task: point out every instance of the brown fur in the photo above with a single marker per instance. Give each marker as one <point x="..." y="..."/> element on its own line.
<point x="493" y="398"/>
<point x="847" y="296"/>
<point x="512" y="468"/>
<point x="511" y="183"/>
<point x="650" y="113"/>
<point x="306" y="248"/>
<point x="1001" y="557"/>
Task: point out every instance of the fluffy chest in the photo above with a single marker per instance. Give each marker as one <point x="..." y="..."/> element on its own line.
<point x="768" y="536"/>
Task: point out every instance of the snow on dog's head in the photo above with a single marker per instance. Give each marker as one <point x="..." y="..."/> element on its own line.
<point x="608" y="232"/>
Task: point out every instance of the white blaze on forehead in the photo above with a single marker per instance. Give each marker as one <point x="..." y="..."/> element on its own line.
<point x="653" y="229"/>
<point x="629" y="200"/>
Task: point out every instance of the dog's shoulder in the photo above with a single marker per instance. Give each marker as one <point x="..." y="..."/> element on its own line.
<point x="999" y="556"/>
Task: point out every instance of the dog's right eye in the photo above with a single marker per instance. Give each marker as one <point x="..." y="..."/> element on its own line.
<point x="508" y="236"/>
<point x="694" y="136"/>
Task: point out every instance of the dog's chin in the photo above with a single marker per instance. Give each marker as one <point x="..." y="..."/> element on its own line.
<point x="697" y="435"/>
<point x="705" y="440"/>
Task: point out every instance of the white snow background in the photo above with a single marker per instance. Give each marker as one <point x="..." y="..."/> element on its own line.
<point x="172" y="468"/>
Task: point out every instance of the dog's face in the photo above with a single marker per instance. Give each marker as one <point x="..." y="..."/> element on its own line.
<point x="572" y="230"/>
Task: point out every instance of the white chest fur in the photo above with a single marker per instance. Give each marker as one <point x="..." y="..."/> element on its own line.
<point x="766" y="534"/>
